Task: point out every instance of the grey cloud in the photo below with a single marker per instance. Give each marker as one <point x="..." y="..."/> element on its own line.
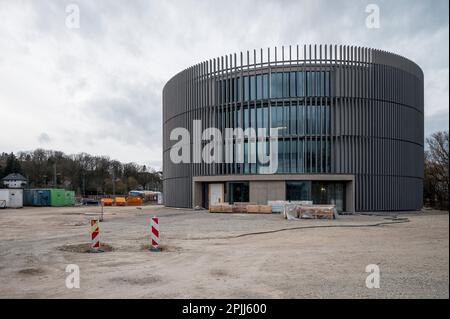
<point x="43" y="138"/>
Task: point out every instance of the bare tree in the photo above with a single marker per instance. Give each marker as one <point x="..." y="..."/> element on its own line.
<point x="436" y="181"/>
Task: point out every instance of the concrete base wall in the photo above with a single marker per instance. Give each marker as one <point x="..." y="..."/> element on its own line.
<point x="273" y="187"/>
<point x="263" y="191"/>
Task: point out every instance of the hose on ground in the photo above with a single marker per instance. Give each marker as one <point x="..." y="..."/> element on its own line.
<point x="400" y="221"/>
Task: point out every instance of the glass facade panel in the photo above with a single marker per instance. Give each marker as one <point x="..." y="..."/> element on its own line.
<point x="259" y="87"/>
<point x="252" y="87"/>
<point x="246" y="88"/>
<point x="238" y="192"/>
<point x="293" y="120"/>
<point x="246" y="121"/>
<point x="329" y="193"/>
<point x="298" y="190"/>
<point x="277" y="85"/>
<point x="293" y="85"/>
<point x="285" y="84"/>
<point x="265" y="86"/>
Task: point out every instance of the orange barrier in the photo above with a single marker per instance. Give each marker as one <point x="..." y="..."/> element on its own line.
<point x="134" y="201"/>
<point x="121" y="201"/>
<point x="107" y="201"/>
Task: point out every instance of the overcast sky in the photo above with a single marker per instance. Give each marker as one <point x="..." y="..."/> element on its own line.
<point x="97" y="89"/>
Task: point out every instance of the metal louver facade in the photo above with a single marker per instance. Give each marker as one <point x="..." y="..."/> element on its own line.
<point x="344" y="110"/>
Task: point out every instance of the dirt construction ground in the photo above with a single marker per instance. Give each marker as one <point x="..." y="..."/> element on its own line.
<point x="222" y="255"/>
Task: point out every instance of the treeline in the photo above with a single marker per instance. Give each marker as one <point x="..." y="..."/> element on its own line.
<point x="436" y="177"/>
<point x="83" y="173"/>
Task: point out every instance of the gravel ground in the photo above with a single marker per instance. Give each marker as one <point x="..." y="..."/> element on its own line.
<point x="222" y="255"/>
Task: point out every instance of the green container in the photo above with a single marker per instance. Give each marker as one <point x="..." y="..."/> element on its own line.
<point x="57" y="197"/>
<point x="69" y="199"/>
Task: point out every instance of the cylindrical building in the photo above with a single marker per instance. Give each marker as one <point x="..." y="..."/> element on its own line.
<point x="350" y="123"/>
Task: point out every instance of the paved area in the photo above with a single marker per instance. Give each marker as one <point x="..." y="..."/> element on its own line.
<point x="222" y="255"/>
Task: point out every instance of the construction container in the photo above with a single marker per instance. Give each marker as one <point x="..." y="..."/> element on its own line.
<point x="134" y="201"/>
<point x="28" y="197"/>
<point x="11" y="198"/>
<point x="57" y="197"/>
<point x="121" y="201"/>
<point x="107" y="201"/>
<point x="69" y="198"/>
<point x="36" y="197"/>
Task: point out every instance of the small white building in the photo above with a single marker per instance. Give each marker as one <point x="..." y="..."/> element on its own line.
<point x="14" y="181"/>
<point x="11" y="198"/>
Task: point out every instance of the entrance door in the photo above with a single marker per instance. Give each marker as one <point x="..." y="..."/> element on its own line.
<point x="216" y="193"/>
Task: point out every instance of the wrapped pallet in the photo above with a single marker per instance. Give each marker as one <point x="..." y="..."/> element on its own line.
<point x="277" y="205"/>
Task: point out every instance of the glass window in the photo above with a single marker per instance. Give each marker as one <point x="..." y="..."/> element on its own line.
<point x="228" y="90"/>
<point x="259" y="87"/>
<point x="266" y="119"/>
<point x="300" y="120"/>
<point x="293" y="157"/>
<point x="293" y="84"/>
<point x="293" y="118"/>
<point x="239" y="118"/>
<point x="314" y="156"/>
<point x="297" y="191"/>
<point x="252" y="87"/>
<point x="301" y="163"/>
<point x="265" y="86"/>
<point x="308" y="156"/>
<point x="286" y="119"/>
<point x="327" y="83"/>
<point x="246" y="88"/>
<point x="245" y="118"/>
<point x="238" y="89"/>
<point x="246" y="166"/>
<point x="259" y="119"/>
<point x="277" y="85"/>
<point x="254" y="157"/>
<point x="310" y="76"/>
<point x="300" y="84"/>
<point x="280" y="156"/>
<point x="285" y="84"/>
<point x="273" y="117"/>
<point x="252" y="118"/>
<point x="280" y="120"/>
<point x="319" y="80"/>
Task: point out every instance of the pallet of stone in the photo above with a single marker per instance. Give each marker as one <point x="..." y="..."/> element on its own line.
<point x="316" y="211"/>
<point x="221" y="208"/>
<point x="241" y="207"/>
<point x="259" y="209"/>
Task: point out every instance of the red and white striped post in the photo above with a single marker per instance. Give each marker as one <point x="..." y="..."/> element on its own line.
<point x="95" y="235"/>
<point x="155" y="234"/>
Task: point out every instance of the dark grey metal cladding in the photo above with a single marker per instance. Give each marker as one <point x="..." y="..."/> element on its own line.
<point x="376" y="131"/>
